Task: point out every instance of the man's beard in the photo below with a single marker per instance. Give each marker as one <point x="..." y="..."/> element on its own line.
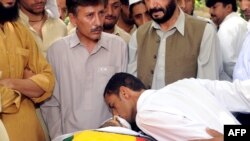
<point x="108" y="26"/>
<point x="168" y="12"/>
<point x="128" y="20"/>
<point x="8" y="14"/>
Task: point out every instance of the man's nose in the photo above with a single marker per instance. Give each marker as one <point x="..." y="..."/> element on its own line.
<point x="109" y="10"/>
<point x="182" y="4"/>
<point x="150" y="4"/>
<point x="98" y="21"/>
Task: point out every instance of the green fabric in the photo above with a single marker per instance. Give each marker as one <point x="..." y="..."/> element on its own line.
<point x="69" y="138"/>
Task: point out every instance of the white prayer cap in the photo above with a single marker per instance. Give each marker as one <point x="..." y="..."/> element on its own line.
<point x="133" y="1"/>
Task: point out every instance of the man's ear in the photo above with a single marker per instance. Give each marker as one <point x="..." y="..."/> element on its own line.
<point x="72" y="19"/>
<point x="124" y="92"/>
<point x="229" y="8"/>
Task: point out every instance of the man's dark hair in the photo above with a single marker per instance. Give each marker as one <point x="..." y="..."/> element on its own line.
<point x="124" y="2"/>
<point x="210" y="3"/>
<point x="10" y="14"/>
<point x="123" y="79"/>
<point x="132" y="6"/>
<point x="73" y="4"/>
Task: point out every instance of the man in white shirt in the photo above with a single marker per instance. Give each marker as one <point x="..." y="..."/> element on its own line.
<point x="180" y="111"/>
<point x="232" y="31"/>
<point x="242" y="67"/>
<point x="138" y="11"/>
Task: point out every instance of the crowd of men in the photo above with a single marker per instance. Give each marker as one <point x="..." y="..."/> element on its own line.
<point x="68" y="65"/>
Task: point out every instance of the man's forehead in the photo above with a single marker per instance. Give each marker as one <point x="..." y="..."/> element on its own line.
<point x="110" y="98"/>
<point x="91" y="8"/>
<point x="114" y="1"/>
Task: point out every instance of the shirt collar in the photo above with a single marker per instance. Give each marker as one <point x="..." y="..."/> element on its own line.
<point x="143" y="98"/>
<point x="73" y="40"/>
<point x="116" y="31"/>
<point x="179" y="24"/>
<point x="102" y="43"/>
<point x="232" y="14"/>
<point x="26" y="18"/>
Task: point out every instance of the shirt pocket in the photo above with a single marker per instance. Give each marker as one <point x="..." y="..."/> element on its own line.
<point x="106" y="70"/>
<point x="22" y="51"/>
<point x="103" y="74"/>
<point x="22" y="56"/>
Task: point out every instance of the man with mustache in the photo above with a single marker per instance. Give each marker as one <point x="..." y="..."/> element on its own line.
<point x="173" y="46"/>
<point x="44" y="27"/>
<point x="83" y="63"/>
<point x="112" y="14"/>
<point x="245" y="8"/>
<point x="26" y="78"/>
<point x="232" y="30"/>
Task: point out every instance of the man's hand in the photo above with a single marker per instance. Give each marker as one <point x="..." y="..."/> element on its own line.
<point x="27" y="73"/>
<point x="6" y="83"/>
<point x="217" y="136"/>
<point x="9" y="83"/>
<point x="24" y="85"/>
<point x="1" y="74"/>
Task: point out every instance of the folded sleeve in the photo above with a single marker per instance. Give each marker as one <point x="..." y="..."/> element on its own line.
<point x="37" y="63"/>
<point x="9" y="100"/>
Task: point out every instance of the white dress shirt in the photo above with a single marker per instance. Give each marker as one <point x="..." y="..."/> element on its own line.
<point x="242" y="67"/>
<point x="184" y="109"/>
<point x="209" y="59"/>
<point x="232" y="32"/>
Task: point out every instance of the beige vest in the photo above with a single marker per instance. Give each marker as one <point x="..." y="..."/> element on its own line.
<point x="181" y="51"/>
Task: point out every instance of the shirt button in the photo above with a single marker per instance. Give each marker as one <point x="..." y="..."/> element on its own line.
<point x="152" y="71"/>
<point x="155" y="57"/>
<point x="158" y="40"/>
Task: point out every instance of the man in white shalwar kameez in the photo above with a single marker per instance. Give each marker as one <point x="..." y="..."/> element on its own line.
<point x="179" y="111"/>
